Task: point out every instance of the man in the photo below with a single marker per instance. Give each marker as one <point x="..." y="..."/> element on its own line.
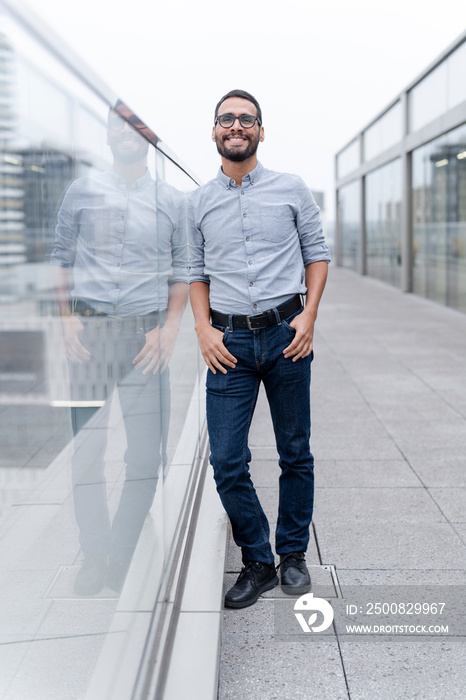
<point x="120" y="258"/>
<point x="256" y="246"/>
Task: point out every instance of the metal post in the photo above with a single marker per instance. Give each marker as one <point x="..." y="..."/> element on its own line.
<point x="406" y="206"/>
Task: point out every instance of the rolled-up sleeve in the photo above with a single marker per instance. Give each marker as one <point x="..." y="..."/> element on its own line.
<point x="310" y="230"/>
<point x="180" y="244"/>
<point x="196" y="247"/>
<point x="64" y="247"/>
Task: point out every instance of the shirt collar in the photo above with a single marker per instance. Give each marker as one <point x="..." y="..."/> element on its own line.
<point x="250" y="178"/>
<point x="120" y="182"/>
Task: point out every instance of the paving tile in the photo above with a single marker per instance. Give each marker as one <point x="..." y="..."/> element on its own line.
<point x="405" y="670"/>
<point x="265" y="472"/>
<point x="259" y="666"/>
<point x="355" y="447"/>
<point x="440" y="472"/>
<point x="373" y="545"/>
<point x="35" y="676"/>
<point x="452" y="502"/>
<point x="401" y="577"/>
<point x="359" y="505"/>
<point x="360" y="473"/>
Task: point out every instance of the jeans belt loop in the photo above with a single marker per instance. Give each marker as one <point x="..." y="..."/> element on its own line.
<point x="277" y="316"/>
<point x="230" y="323"/>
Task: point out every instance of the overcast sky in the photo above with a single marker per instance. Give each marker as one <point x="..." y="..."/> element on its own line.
<point x="320" y="70"/>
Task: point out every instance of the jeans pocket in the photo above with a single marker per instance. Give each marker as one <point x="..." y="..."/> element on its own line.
<point x="224" y="330"/>
<point x="286" y="321"/>
<point x="288" y="327"/>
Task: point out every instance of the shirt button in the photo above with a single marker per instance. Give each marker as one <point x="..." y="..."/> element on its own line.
<point x="247" y="238"/>
<point x="120" y="241"/>
<point x="117" y="286"/>
<point x="244" y="214"/>
<point x="242" y="191"/>
<point x="122" y="216"/>
<point x="251" y="284"/>
<point x="255" y="306"/>
<point x="250" y="262"/>
<point x="118" y="264"/>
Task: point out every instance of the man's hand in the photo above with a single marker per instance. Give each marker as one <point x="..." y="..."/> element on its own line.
<point x="74" y="350"/>
<point x="158" y="348"/>
<point x="213" y="350"/>
<point x="301" y="345"/>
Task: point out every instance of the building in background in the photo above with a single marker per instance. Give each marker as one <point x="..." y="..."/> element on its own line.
<point x="401" y="187"/>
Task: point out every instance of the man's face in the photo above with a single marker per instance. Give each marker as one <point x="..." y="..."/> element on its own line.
<point x="127" y="145"/>
<point x="236" y="143"/>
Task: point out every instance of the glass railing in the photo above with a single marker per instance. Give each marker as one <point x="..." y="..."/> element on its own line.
<point x="100" y="412"/>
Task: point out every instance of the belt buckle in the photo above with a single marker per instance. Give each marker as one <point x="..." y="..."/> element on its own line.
<point x="248" y="322"/>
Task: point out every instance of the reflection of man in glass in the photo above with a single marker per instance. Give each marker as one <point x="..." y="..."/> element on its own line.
<point x="120" y="257"/>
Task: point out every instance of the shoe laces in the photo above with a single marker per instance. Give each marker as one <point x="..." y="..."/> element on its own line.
<point x="249" y="570"/>
<point x="292" y="559"/>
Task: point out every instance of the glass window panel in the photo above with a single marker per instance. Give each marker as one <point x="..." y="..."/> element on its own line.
<point x="456" y="66"/>
<point x="428" y="99"/>
<point x="439" y="219"/>
<point x="349" y="218"/>
<point x="383" y="223"/>
<point x="441" y="90"/>
<point x="348" y="160"/>
<point x="98" y="454"/>
<point x="386" y="132"/>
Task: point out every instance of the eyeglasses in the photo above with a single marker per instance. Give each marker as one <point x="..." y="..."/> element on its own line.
<point x="117" y="123"/>
<point x="247" y="121"/>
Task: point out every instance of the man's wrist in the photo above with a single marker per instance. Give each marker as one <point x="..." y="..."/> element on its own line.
<point x="202" y="325"/>
<point x="310" y="313"/>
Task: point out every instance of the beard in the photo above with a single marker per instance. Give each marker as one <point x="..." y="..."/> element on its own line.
<point x="129" y="156"/>
<point x="235" y="154"/>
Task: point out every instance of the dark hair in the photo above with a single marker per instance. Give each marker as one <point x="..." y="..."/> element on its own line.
<point x="244" y="96"/>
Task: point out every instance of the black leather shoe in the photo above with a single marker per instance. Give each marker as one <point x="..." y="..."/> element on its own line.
<point x="116" y="575"/>
<point x="90" y="578"/>
<point x="295" y="577"/>
<point x="255" y="578"/>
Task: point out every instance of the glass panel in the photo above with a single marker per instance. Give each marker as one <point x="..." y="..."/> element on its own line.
<point x="456" y="67"/>
<point x="441" y="90"/>
<point x="98" y="371"/>
<point x="386" y="132"/>
<point x="428" y="100"/>
<point x="439" y="219"/>
<point x="383" y="223"/>
<point x="349" y="217"/>
<point x="348" y="160"/>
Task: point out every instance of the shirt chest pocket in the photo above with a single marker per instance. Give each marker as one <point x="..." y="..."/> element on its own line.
<point x="277" y="223"/>
<point x="98" y="226"/>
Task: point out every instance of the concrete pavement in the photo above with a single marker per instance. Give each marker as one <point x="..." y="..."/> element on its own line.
<point x="389" y="439"/>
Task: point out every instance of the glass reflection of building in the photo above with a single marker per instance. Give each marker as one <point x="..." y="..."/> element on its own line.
<point x="402" y="182"/>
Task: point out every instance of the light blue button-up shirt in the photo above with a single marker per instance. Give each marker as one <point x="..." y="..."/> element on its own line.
<point x="126" y="245"/>
<point x="251" y="242"/>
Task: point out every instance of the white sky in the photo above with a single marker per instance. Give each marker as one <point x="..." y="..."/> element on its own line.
<point x="320" y="71"/>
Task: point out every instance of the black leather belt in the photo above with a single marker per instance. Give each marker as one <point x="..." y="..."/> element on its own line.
<point x="258" y="321"/>
<point x="144" y="322"/>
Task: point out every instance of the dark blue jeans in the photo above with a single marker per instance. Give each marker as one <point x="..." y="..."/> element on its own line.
<point x="231" y="399"/>
<point x="145" y="406"/>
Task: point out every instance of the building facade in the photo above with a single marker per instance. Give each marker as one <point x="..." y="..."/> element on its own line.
<point x="401" y="187"/>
